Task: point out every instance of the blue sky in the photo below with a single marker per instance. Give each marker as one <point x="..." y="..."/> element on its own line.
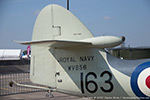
<point x="129" y="18"/>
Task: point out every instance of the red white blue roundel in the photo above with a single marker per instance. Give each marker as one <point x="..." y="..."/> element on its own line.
<point x="140" y="80"/>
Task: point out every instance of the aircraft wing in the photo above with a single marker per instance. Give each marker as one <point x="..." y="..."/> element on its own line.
<point x="56" y="43"/>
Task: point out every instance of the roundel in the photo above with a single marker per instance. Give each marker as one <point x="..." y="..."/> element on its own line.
<point x="140" y="80"/>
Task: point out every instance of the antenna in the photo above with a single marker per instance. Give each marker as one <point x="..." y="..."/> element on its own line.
<point x="67" y="4"/>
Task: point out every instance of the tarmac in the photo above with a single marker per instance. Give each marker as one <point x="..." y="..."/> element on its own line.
<point x="41" y="96"/>
<point x="18" y="71"/>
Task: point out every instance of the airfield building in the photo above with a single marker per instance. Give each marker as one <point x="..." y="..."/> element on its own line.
<point x="10" y="54"/>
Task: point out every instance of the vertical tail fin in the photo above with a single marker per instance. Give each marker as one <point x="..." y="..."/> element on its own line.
<point x="53" y="22"/>
<point x="56" y="22"/>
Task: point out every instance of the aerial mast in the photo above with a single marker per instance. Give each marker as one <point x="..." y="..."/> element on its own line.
<point x="67" y="4"/>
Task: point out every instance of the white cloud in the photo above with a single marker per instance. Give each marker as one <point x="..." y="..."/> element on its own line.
<point x="107" y="18"/>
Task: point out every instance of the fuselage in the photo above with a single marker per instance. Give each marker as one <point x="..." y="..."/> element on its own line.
<point x="95" y="73"/>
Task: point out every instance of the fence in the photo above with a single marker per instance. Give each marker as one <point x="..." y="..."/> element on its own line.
<point x="18" y="72"/>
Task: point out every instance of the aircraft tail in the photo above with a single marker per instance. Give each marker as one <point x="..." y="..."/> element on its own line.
<point x="75" y="70"/>
<point x="53" y="22"/>
<point x="60" y="45"/>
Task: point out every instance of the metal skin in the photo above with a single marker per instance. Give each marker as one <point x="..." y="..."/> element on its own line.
<point x="87" y="71"/>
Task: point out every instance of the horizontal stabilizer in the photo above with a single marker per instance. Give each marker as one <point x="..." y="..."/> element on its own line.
<point x="56" y="43"/>
<point x="96" y="42"/>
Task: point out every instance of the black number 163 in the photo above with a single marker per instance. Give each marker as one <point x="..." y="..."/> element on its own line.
<point x="87" y="82"/>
